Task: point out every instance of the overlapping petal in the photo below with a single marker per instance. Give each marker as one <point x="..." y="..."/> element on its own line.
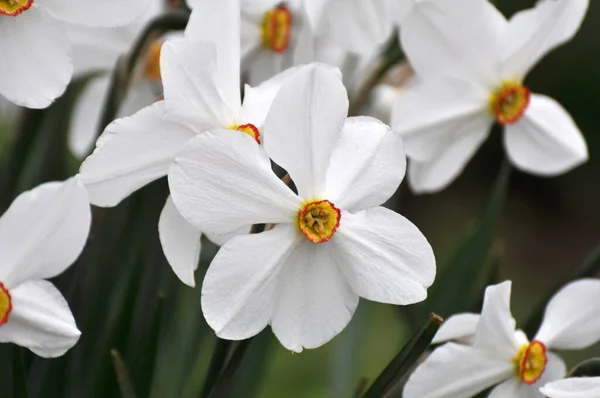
<point x="94" y="12"/>
<point x="460" y="328"/>
<point x="43" y="231"/>
<point x="132" y="152"/>
<point x="576" y="387"/>
<point x="222" y="181"/>
<point x="546" y="141"/>
<point x="385" y="257"/>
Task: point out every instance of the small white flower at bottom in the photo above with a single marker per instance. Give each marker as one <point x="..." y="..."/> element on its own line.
<point x="575" y="387"/>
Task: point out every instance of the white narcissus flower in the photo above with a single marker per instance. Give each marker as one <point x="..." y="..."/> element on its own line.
<point x="41" y="234"/>
<point x="473" y="63"/>
<point x="36" y="53"/>
<point x="201" y="81"/>
<point x="333" y="242"/>
<point x="575" y="387"/>
<point x="498" y="355"/>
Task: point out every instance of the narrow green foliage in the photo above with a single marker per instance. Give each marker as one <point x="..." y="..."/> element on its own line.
<point x="406" y="358"/>
<point x="20" y="389"/>
<point x="123" y="379"/>
<point x="217" y="362"/>
<point x="589" y="368"/>
<point x="226" y="381"/>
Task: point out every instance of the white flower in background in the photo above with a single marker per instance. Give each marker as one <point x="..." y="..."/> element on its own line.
<point x="96" y="51"/>
<point x="36" y="53"/>
<point x="473" y="63"/>
<point x="201" y="82"/>
<point x="576" y="387"/>
<point x="41" y="234"/>
<point x="495" y="354"/>
<point x="333" y="242"/>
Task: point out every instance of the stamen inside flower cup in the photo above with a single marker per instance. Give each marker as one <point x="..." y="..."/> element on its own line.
<point x="152" y="61"/>
<point x="5" y="304"/>
<point x="530" y="362"/>
<point x="276" y="29"/>
<point x="509" y="102"/>
<point x="318" y="220"/>
<point x="12" y="8"/>
<point x="249" y="129"/>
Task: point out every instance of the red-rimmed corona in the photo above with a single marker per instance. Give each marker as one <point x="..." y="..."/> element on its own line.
<point x="318" y="220"/>
<point x="5" y="304"/>
<point x="530" y="362"/>
<point x="249" y="129"/>
<point x="152" y="61"/>
<point x="12" y="8"/>
<point x="276" y="29"/>
<point x="509" y="102"/>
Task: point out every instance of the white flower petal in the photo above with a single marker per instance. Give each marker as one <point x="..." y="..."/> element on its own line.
<point x="511" y="388"/>
<point x="221" y="239"/>
<point x="367" y="165"/>
<point x="303" y="125"/>
<point x="456" y="371"/>
<point x="496" y="327"/>
<point x="222" y="181"/>
<point x="36" y="59"/>
<point x="432" y="114"/>
<point x="454" y="37"/>
<point x="132" y="152"/>
<point x="180" y="242"/>
<point x="189" y="74"/>
<point x="460" y="328"/>
<point x="576" y="387"/>
<point x="218" y="22"/>
<point x="85" y="119"/>
<point x="572" y="317"/>
<point x="240" y="288"/>
<point x="40" y="320"/>
<point x="533" y="33"/>
<point x="94" y="12"/>
<point x="546" y="141"/>
<point x="315" y="301"/>
<point x="43" y="231"/>
<point x="385" y="257"/>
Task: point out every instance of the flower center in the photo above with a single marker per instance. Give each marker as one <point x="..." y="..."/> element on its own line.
<point x="318" y="220"/>
<point x="5" y="304"/>
<point x="508" y="103"/>
<point x="276" y="28"/>
<point x="249" y="129"/>
<point x="12" y="8"/>
<point x="530" y="362"/>
<point x="152" y="61"/>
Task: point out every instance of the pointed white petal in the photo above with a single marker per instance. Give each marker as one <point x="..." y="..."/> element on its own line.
<point x="222" y="180"/>
<point x="430" y="115"/>
<point x="367" y="165"/>
<point x="305" y="121"/>
<point x="220" y="240"/>
<point x="94" y="12"/>
<point x="180" y="243"/>
<point x="40" y="320"/>
<point x="460" y="328"/>
<point x="218" y="22"/>
<point x="132" y="152"/>
<point x="241" y="285"/>
<point x="546" y="141"/>
<point x="85" y="119"/>
<point x="456" y="371"/>
<point x="315" y="301"/>
<point x="496" y="327"/>
<point x="532" y="33"/>
<point x="576" y="387"/>
<point x="511" y="388"/>
<point x="189" y="73"/>
<point x="386" y="258"/>
<point x="36" y="59"/>
<point x="454" y="37"/>
<point x="43" y="231"/>
<point x="572" y="317"/>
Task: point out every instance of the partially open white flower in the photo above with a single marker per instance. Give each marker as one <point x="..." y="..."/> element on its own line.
<point x="35" y="49"/>
<point x="575" y="387"/>
<point x="333" y="242"/>
<point x="41" y="234"/>
<point x="498" y="355"/>
<point x="473" y="63"/>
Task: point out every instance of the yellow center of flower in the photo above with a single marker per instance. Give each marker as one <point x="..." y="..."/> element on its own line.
<point x="152" y="61"/>
<point x="12" y="8"/>
<point x="249" y="129"/>
<point x="5" y="304"/>
<point x="530" y="362"/>
<point x="318" y="220"/>
<point x="276" y="28"/>
<point x="508" y="103"/>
